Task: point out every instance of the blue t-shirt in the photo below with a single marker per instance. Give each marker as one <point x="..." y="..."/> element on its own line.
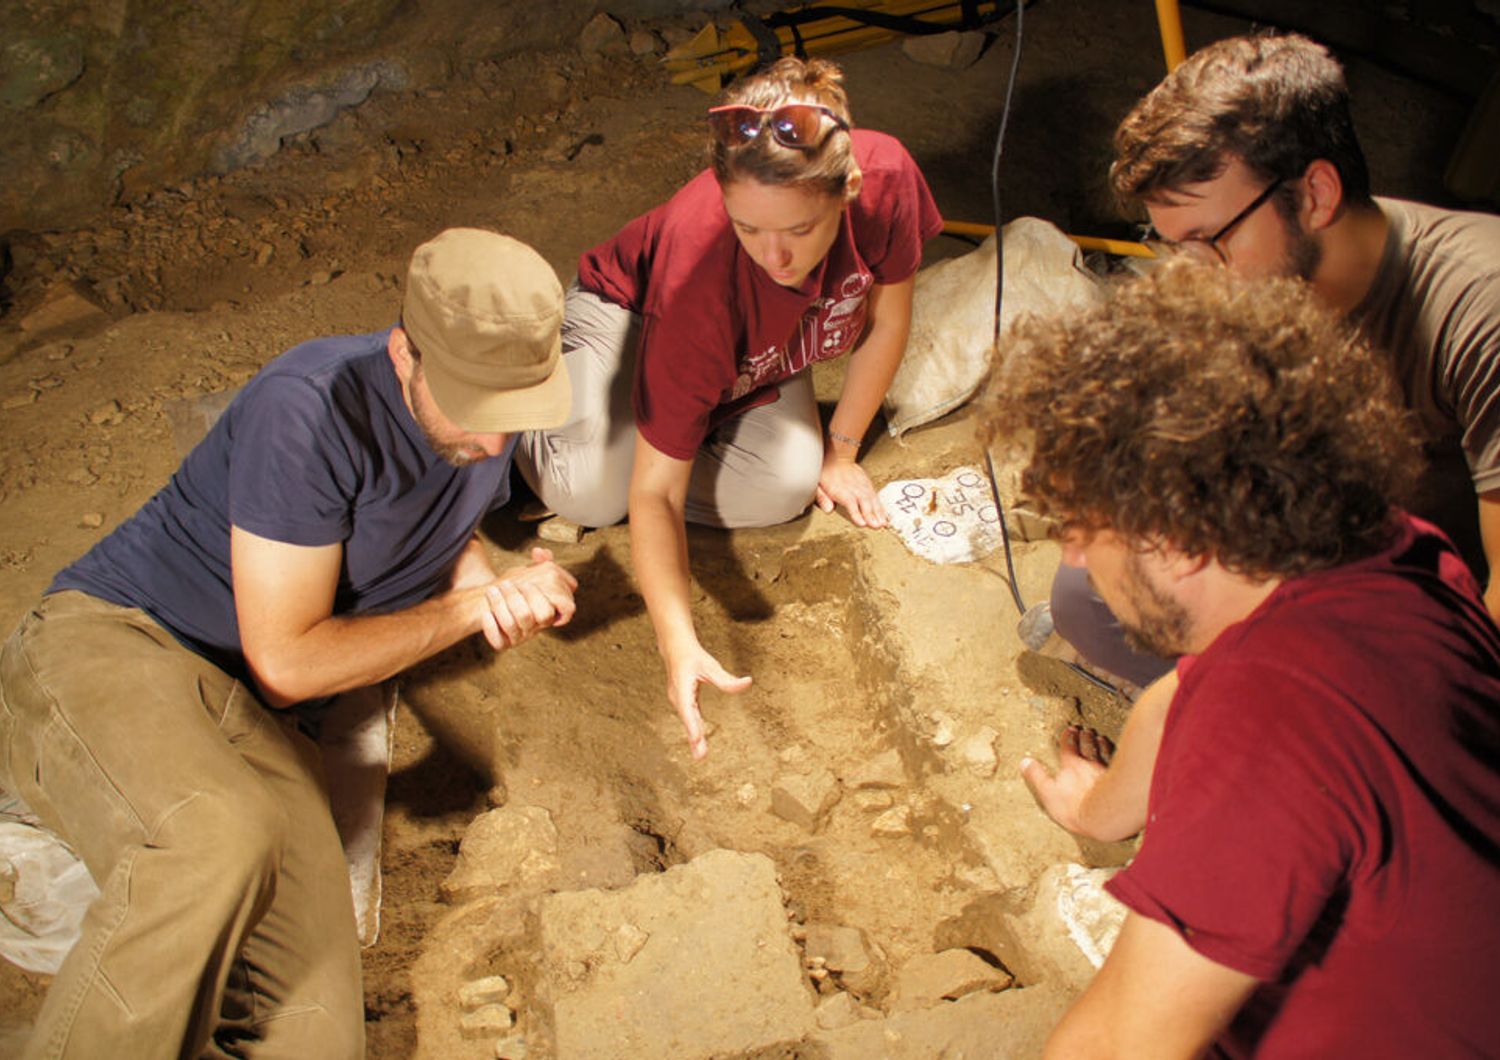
<point x="319" y="448"/>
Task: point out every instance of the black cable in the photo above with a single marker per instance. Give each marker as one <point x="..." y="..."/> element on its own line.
<point x="989" y="463"/>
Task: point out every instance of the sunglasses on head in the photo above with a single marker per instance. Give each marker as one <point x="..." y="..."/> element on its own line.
<point x="798" y="125"/>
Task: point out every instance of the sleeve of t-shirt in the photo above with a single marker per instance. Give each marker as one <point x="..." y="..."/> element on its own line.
<point x="1250" y="829"/>
<point x="290" y="474"/>
<point x="615" y="270"/>
<point x="1475" y="378"/>
<point x="894" y="215"/>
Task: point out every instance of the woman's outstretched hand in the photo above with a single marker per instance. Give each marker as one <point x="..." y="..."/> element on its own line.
<point x="684" y="674"/>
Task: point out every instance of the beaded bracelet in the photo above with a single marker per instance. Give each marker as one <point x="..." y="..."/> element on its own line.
<point x="835" y="436"/>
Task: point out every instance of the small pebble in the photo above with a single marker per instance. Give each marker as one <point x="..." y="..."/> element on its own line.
<point x="512" y="1048"/>
<point x="475" y="994"/>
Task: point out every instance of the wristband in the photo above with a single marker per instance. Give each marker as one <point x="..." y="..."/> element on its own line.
<point x="835" y="436"/>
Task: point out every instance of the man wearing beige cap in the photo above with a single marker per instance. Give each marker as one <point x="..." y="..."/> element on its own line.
<point x="320" y="539"/>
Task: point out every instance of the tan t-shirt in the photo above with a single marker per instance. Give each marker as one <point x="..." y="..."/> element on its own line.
<point x="1435" y="308"/>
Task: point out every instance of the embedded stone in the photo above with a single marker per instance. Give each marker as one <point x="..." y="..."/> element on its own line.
<point x="507" y="847"/>
<point x="629" y="940"/>
<point x="893" y="824"/>
<point x="838" y="1009"/>
<point x="804" y="798"/>
<point x="107" y="415"/>
<point x="874" y="800"/>
<point x="64" y="305"/>
<point x="724" y="913"/>
<point x="602" y="36"/>
<point x="475" y="994"/>
<point x="882" y="771"/>
<point x="846" y="952"/>
<point x="488" y="1021"/>
<point x="559" y="530"/>
<point x="977" y="752"/>
<point x="511" y="1048"/>
<point x="930" y="978"/>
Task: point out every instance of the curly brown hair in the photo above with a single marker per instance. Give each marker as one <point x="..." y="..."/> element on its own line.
<point x="1278" y="102"/>
<point x="1227" y="418"/>
<point x="828" y="167"/>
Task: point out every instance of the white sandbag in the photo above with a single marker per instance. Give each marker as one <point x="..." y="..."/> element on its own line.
<point x="356" y="740"/>
<point x="953" y="316"/>
<point x="44" y="892"/>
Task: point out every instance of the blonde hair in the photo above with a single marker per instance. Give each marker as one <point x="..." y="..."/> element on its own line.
<point x="826" y="168"/>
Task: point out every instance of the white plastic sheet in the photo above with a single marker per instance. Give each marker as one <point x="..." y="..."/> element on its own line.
<point x="44" y="891"/>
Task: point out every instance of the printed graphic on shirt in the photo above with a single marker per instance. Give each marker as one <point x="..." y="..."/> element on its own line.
<point x="829" y="328"/>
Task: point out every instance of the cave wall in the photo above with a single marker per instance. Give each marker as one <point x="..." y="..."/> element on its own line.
<point x="103" y="98"/>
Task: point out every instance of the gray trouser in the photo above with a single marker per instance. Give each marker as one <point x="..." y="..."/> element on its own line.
<point x="1084" y="620"/>
<point x="223" y="925"/>
<point x="758" y="469"/>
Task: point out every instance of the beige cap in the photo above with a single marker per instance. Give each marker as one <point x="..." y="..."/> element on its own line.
<point x="485" y="314"/>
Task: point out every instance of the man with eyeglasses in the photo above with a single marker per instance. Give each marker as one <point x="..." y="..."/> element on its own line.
<point x="1245" y="156"/>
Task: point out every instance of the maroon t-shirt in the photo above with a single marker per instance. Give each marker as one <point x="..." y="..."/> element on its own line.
<point x="1325" y="811"/>
<point x="717" y="333"/>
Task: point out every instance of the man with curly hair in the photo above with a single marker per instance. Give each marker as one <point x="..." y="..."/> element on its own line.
<point x="1321" y="865"/>
<point x="1246" y="155"/>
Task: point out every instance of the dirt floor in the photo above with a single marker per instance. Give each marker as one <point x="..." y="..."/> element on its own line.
<point x="857" y="646"/>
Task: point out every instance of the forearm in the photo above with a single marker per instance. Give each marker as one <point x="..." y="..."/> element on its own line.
<point x="871" y="368"/>
<point x="1489" y="535"/>
<point x="658" y="546"/>
<point x="1155" y="997"/>
<point x="342" y="652"/>
<point x="874" y="362"/>
<point x="1116" y="806"/>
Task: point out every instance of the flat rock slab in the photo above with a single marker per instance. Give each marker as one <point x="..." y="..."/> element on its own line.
<point x="1012" y="1025"/>
<point x="513" y="846"/>
<point x="931" y="978"/>
<point x="694" y="962"/>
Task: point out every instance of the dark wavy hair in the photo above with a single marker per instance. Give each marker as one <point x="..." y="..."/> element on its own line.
<point x="828" y="167"/>
<point x="1223" y="417"/>
<point x="1276" y="102"/>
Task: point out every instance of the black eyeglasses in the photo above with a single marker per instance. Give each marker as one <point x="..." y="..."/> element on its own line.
<point x="1207" y="248"/>
<point x="798" y="125"/>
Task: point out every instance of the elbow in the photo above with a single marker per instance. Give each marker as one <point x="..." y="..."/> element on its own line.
<point x="275" y="681"/>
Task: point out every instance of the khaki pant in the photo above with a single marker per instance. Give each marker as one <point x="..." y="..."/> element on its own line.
<point x="224" y="926"/>
<point x="760" y="468"/>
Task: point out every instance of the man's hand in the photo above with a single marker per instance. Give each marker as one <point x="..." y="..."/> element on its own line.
<point x="685" y="673"/>
<point x="842" y="481"/>
<point x="1083" y="757"/>
<point x="525" y="600"/>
